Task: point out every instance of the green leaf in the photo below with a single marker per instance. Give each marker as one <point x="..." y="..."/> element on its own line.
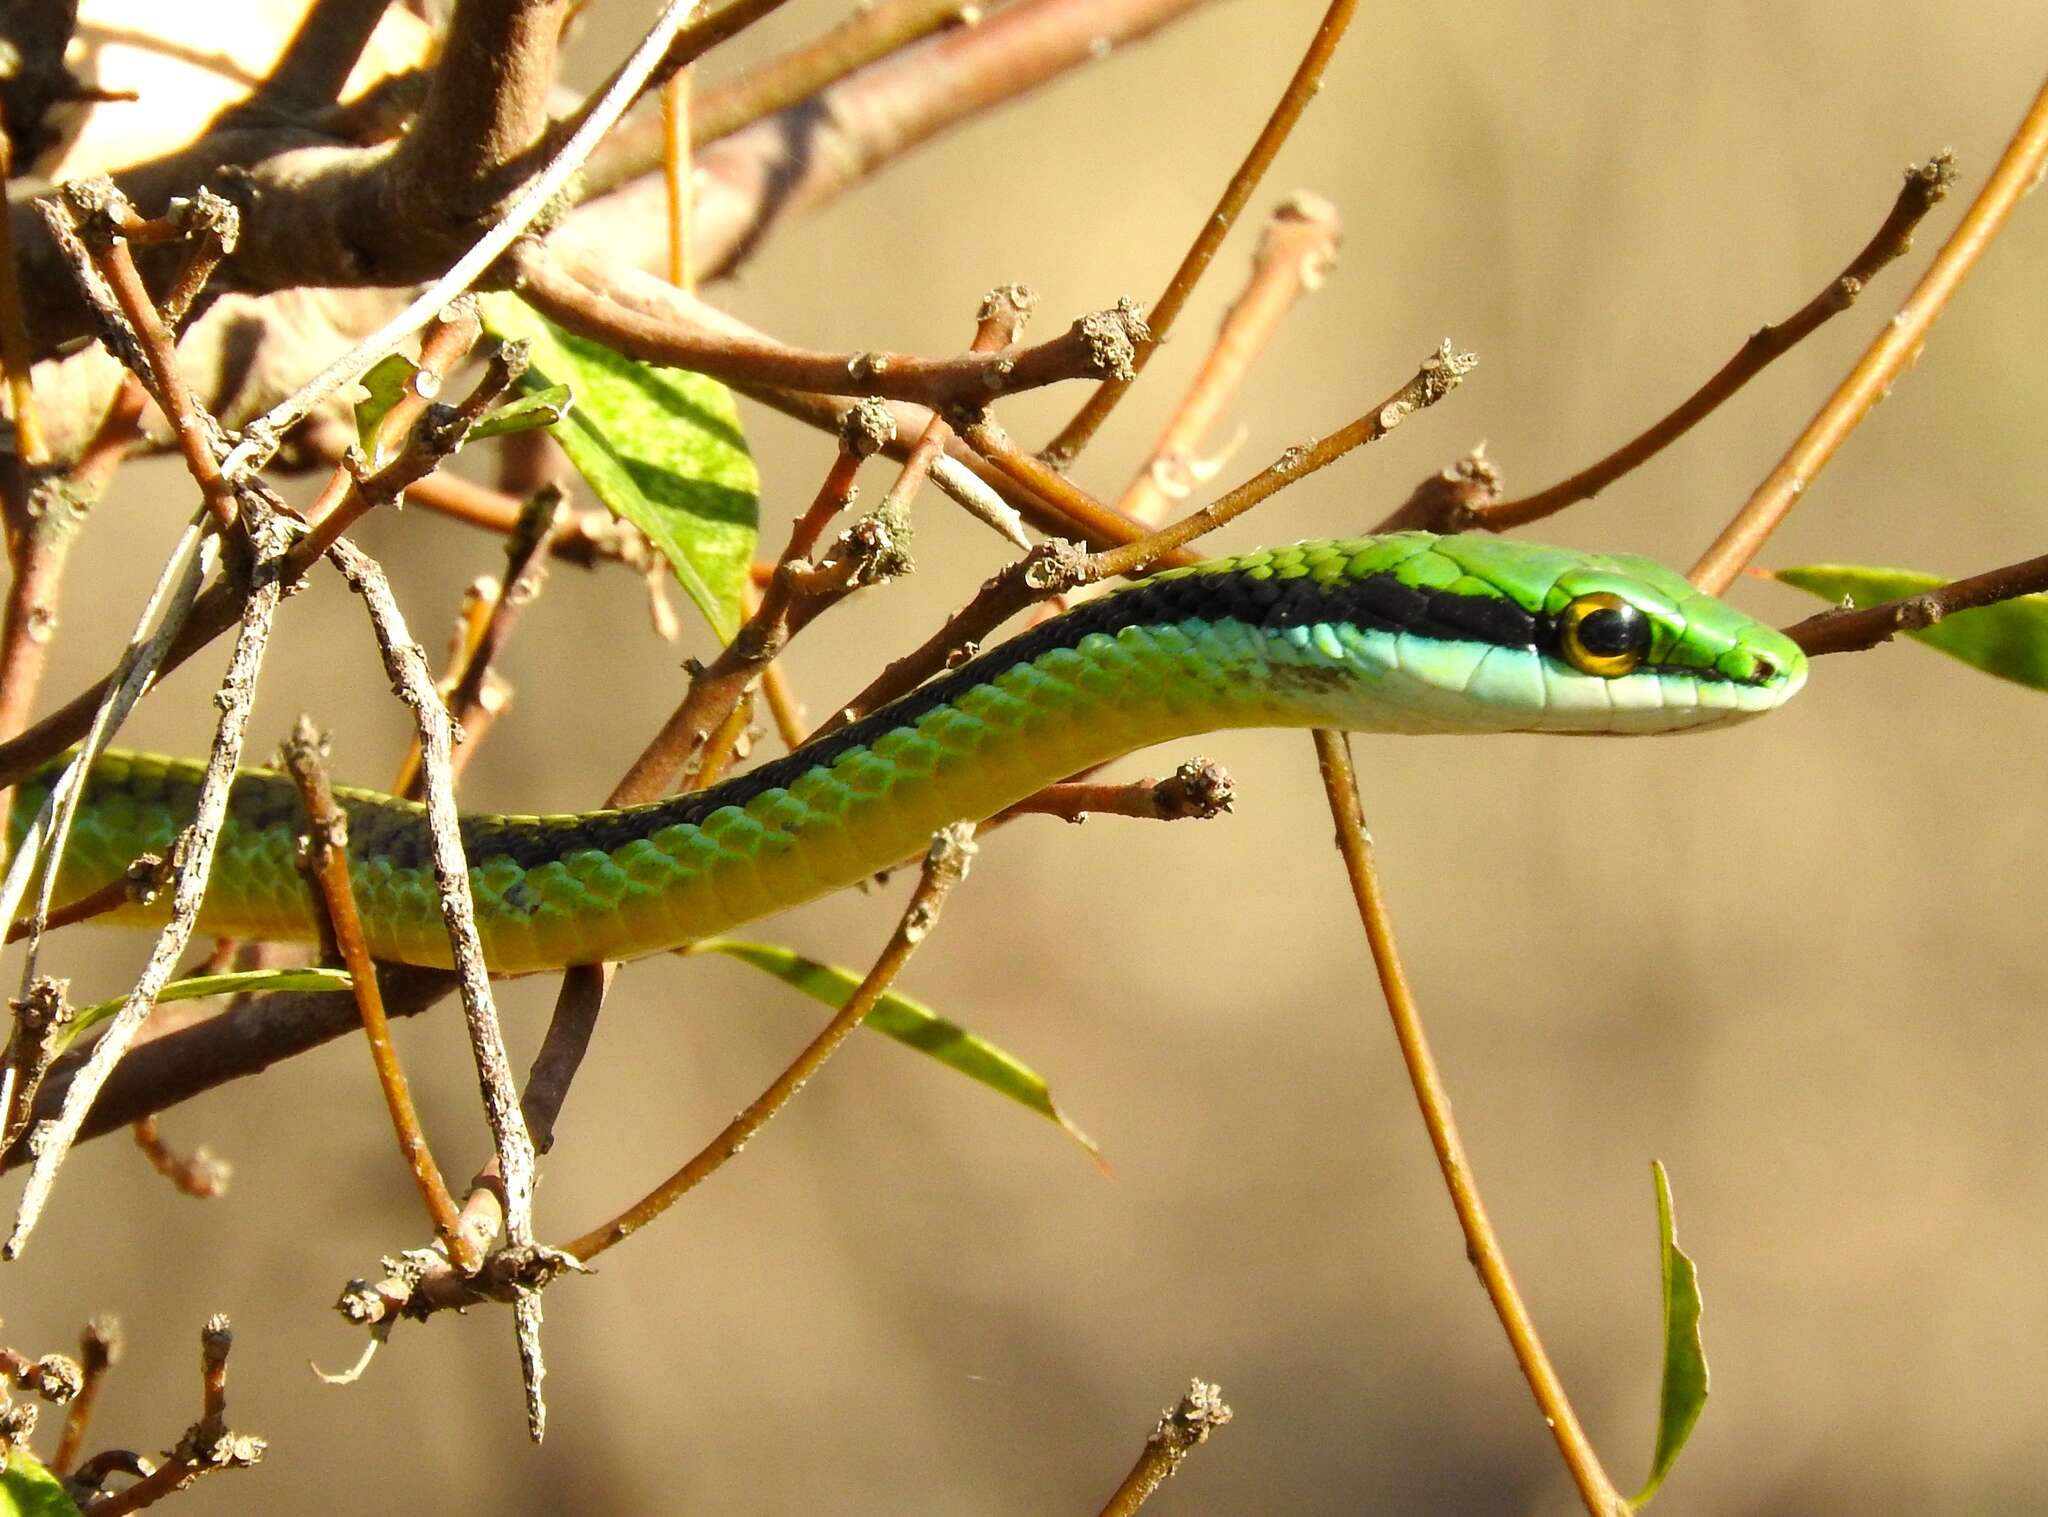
<point x="1684" y="1393"/>
<point x="2009" y="639"/>
<point x="27" y="1489"/>
<point x="240" y="982"/>
<point x="660" y="447"/>
<point x="543" y="408"/>
<point x="909" y="1023"/>
<point x="386" y="382"/>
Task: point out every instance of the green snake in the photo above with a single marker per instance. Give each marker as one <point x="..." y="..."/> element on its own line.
<point x="1406" y="632"/>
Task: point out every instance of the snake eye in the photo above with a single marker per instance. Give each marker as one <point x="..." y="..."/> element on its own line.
<point x="1603" y="635"/>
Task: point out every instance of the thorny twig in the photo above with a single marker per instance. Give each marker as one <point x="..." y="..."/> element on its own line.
<point x="1301" y="89"/>
<point x="1354" y="845"/>
<point x="1181" y="1430"/>
<point x="2019" y="169"/>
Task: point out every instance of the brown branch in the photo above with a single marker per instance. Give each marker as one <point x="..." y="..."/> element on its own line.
<point x="197" y="1174"/>
<point x="661" y="328"/>
<point x="1852" y="631"/>
<point x="1198" y="790"/>
<point x="1294" y="257"/>
<point x="1888" y="356"/>
<point x="1078" y="512"/>
<point x="326" y="860"/>
<point x="635" y="147"/>
<point x="1926" y="186"/>
<point x="945" y="866"/>
<point x="1181" y="1430"/>
<point x="137" y="886"/>
<point x="99" y="1350"/>
<point x="208" y="1444"/>
<point x="1301" y="89"/>
<point x="1482" y="1246"/>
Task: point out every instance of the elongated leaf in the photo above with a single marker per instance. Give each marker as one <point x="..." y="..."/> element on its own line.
<point x="660" y="447"/>
<point x="1684" y="1392"/>
<point x="386" y="383"/>
<point x="542" y="408"/>
<point x="27" y="1489"/>
<point x="239" y="982"/>
<point x="910" y="1023"/>
<point x="2009" y="639"/>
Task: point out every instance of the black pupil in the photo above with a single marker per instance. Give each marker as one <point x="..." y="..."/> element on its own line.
<point x="1613" y="630"/>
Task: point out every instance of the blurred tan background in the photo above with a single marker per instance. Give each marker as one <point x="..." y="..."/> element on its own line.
<point x="1801" y="962"/>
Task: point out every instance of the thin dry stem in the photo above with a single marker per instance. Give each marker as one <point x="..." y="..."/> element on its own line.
<point x="1886" y="359"/>
<point x="326" y="860"/>
<point x="197" y="1174"/>
<point x="1199" y="789"/>
<point x="1926" y="186"/>
<point x="1333" y="754"/>
<point x="945" y="866"/>
<point x="1294" y="257"/>
<point x="99" y="1350"/>
<point x="1301" y="89"/>
<point x="1851" y="631"/>
<point x="1180" y="1431"/>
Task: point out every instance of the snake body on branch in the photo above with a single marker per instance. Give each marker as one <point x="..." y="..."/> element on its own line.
<point x="1407" y="632"/>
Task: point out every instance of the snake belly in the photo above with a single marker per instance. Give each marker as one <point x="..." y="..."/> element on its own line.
<point x="1405" y="632"/>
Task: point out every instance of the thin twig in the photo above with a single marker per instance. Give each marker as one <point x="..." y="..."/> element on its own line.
<point x="1926" y="186"/>
<point x="197" y="1174"/>
<point x="1887" y="357"/>
<point x="662" y="329"/>
<point x="1198" y="790"/>
<point x="1354" y="843"/>
<point x="99" y="1350"/>
<point x="1180" y="1431"/>
<point x="1294" y="257"/>
<point x="208" y="1444"/>
<point x="191" y="865"/>
<point x="1851" y="631"/>
<point x="1301" y="89"/>
<point x="945" y="866"/>
<point x="326" y="860"/>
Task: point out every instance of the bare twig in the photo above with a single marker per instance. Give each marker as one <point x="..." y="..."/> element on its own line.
<point x="1887" y="357"/>
<point x="197" y="1174"/>
<point x="191" y="864"/>
<point x="1926" y="186"/>
<point x="945" y="866"/>
<point x="1301" y="89"/>
<point x="1096" y="345"/>
<point x="1199" y="789"/>
<point x="1851" y="631"/>
<point x="99" y="1350"/>
<point x="1294" y="257"/>
<point x="1181" y="1429"/>
<point x="1354" y="843"/>
<point x="326" y="860"/>
<point x="208" y="1445"/>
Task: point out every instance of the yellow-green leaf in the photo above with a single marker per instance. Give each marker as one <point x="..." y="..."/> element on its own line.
<point x="27" y="1489"/>
<point x="541" y="408"/>
<point x="660" y="447"/>
<point x="909" y="1023"/>
<point x="239" y="982"/>
<point x="2009" y="639"/>
<point x="1683" y="1395"/>
<point x="386" y="383"/>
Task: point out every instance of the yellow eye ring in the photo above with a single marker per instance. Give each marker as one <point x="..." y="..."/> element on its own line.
<point x="1603" y="635"/>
